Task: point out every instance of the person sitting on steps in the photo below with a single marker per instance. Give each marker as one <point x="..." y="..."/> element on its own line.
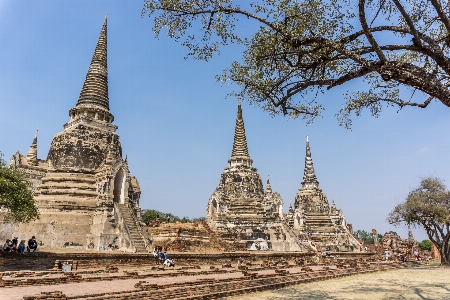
<point x="14" y="244"/>
<point x="7" y="246"/>
<point x="21" y="248"/>
<point x="169" y="262"/>
<point x="32" y="245"/>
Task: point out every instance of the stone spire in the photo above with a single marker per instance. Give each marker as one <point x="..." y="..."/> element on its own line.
<point x="291" y="210"/>
<point x="32" y="152"/>
<point x="239" y="154"/>
<point x="268" y="186"/>
<point x="95" y="87"/>
<point x="93" y="103"/>
<point x="309" y="176"/>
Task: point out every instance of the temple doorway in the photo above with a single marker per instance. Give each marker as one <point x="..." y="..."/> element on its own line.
<point x="119" y="183"/>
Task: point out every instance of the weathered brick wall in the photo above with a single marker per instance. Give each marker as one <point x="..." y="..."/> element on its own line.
<point x="45" y="260"/>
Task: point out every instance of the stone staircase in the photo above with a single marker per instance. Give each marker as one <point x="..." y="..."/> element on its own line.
<point x="243" y="207"/>
<point x="301" y="239"/>
<point x="133" y="229"/>
<point x="319" y="222"/>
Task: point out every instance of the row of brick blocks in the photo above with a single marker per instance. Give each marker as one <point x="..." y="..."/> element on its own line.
<point x="218" y="288"/>
<point x="55" y="276"/>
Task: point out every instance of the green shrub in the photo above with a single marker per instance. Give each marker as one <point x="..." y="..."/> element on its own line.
<point x="424" y="245"/>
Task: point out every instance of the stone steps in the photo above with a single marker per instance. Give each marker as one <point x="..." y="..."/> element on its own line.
<point x="133" y="229"/>
<point x="215" y="288"/>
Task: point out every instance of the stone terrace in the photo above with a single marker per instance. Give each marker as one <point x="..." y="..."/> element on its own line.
<point x="196" y="276"/>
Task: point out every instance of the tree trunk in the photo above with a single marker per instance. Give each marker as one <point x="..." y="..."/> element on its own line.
<point x="445" y="255"/>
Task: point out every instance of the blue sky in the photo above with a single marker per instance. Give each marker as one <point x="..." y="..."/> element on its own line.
<point x="177" y="125"/>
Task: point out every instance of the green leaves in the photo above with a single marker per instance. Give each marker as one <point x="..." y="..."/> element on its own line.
<point x="425" y="245"/>
<point x="427" y="206"/>
<point x="365" y="236"/>
<point x="16" y="194"/>
<point x="300" y="49"/>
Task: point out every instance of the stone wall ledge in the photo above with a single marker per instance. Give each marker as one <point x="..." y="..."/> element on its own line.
<point x="71" y="178"/>
<point x="69" y="192"/>
<point x="45" y="260"/>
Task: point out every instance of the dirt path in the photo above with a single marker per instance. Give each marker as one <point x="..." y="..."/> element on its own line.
<point x="418" y="283"/>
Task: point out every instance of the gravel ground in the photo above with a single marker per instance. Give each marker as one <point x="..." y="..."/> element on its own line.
<point x="417" y="283"/>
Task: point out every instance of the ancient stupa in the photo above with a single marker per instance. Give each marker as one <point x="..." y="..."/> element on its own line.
<point x="85" y="194"/>
<point x="312" y="214"/>
<point x="239" y="206"/>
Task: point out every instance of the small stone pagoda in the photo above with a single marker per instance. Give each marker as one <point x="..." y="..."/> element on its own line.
<point x="312" y="214"/>
<point x="239" y="206"/>
<point x="85" y="194"/>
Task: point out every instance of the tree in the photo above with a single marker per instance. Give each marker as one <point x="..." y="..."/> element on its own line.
<point x="150" y="215"/>
<point x="428" y="206"/>
<point x="425" y="245"/>
<point x="365" y="236"/>
<point x="299" y="49"/>
<point x="16" y="194"/>
<point x="185" y="220"/>
<point x="380" y="238"/>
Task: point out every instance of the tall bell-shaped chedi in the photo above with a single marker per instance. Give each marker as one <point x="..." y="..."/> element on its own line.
<point x="240" y="206"/>
<point x="87" y="198"/>
<point x="312" y="214"/>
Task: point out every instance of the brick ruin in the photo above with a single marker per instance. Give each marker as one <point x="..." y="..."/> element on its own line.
<point x="86" y="196"/>
<point x="240" y="207"/>
<point x="406" y="247"/>
<point x="196" y="276"/>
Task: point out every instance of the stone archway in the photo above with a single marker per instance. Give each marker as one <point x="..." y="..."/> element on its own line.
<point x="119" y="185"/>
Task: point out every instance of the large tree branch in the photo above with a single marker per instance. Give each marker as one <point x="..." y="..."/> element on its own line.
<point x="349" y="76"/>
<point x="418" y="78"/>
<point x="370" y="38"/>
<point x="410" y="23"/>
<point x="441" y="14"/>
<point x="224" y="10"/>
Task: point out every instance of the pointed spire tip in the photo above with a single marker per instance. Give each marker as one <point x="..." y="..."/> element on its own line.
<point x="240" y="141"/>
<point x="95" y="86"/>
